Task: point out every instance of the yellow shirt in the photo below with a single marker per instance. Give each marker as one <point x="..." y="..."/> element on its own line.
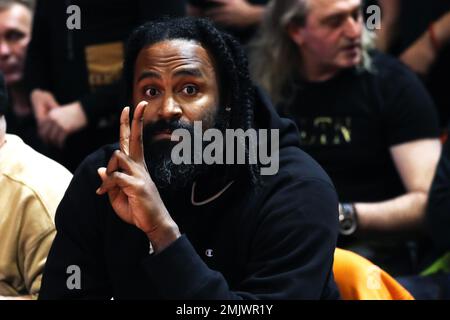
<point x="31" y="187"/>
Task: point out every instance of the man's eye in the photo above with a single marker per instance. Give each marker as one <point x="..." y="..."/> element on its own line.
<point x="151" y="92"/>
<point x="357" y="15"/>
<point x="190" y="90"/>
<point x="335" y="22"/>
<point x="14" y="35"/>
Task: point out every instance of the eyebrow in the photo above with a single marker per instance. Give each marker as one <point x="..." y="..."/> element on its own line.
<point x="149" y="74"/>
<point x="193" y="72"/>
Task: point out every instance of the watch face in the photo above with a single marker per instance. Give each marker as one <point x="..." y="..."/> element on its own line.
<point x="347" y="225"/>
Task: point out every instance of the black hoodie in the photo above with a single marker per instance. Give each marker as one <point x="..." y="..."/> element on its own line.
<point x="272" y="242"/>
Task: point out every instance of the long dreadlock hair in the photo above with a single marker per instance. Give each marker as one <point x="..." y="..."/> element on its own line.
<point x="236" y="89"/>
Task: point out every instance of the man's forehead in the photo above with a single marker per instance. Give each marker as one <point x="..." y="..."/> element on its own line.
<point x="173" y="53"/>
<point x="16" y="15"/>
<point x="324" y="8"/>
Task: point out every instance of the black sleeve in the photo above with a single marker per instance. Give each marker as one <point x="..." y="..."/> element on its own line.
<point x="438" y="213"/>
<point x="78" y="242"/>
<point x="37" y="64"/>
<point x="409" y="112"/>
<point x="105" y="101"/>
<point x="291" y="256"/>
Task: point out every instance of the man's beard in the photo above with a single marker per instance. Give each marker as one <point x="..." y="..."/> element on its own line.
<point x="165" y="173"/>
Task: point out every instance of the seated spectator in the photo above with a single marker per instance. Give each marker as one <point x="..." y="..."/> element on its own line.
<point x="73" y="75"/>
<point x="15" y="34"/>
<point x="214" y="231"/>
<point x="31" y="188"/>
<point x="239" y="17"/>
<point x="362" y="115"/>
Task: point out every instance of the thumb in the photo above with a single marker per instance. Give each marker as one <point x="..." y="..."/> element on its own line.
<point x="40" y="111"/>
<point x="102" y="173"/>
<point x="51" y="102"/>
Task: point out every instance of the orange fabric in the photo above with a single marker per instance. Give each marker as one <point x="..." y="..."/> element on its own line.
<point x="359" y="279"/>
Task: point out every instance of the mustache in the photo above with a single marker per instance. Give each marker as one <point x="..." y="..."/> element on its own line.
<point x="150" y="130"/>
<point x="348" y="44"/>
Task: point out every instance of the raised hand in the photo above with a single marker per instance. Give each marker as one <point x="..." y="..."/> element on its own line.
<point x="131" y="191"/>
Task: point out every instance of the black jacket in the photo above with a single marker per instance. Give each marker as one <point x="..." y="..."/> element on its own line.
<point x="272" y="242"/>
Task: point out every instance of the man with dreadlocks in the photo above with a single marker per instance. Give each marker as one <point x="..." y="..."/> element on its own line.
<point x="133" y="224"/>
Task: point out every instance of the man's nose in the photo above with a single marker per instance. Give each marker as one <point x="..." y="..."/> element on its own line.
<point x="5" y="49"/>
<point x="170" y="109"/>
<point x="353" y="28"/>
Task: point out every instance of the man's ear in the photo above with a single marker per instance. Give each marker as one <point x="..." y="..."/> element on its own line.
<point x="296" y="33"/>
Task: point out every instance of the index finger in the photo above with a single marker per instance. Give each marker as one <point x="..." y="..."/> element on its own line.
<point x="124" y="139"/>
<point x="136" y="145"/>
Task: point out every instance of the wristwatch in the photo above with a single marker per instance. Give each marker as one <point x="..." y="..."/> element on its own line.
<point x="348" y="220"/>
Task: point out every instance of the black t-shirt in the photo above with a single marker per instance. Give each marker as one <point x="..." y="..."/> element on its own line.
<point x="349" y="123"/>
<point x="26" y="129"/>
<point x="23" y="126"/>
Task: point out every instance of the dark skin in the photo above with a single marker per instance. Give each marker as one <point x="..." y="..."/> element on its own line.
<point x="174" y="80"/>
